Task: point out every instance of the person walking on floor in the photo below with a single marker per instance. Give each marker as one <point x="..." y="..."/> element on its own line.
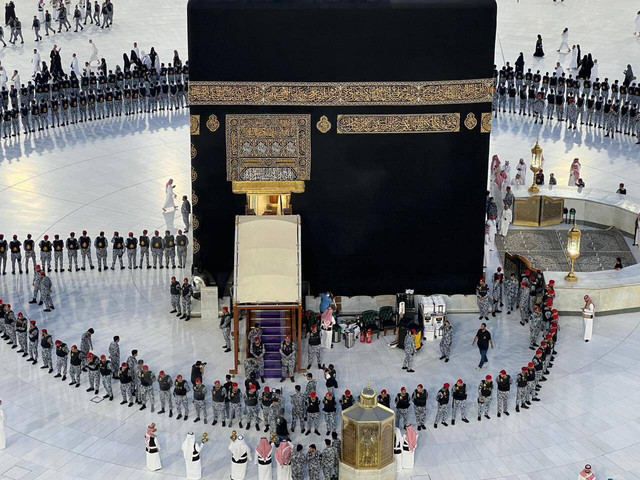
<point x="484" y="341"/>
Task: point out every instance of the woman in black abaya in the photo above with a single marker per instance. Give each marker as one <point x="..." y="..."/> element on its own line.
<point x="539" y="51"/>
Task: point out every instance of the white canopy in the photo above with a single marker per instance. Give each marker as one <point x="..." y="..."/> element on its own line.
<point x="267" y="259"/>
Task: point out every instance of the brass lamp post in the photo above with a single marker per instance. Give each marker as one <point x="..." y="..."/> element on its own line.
<point x="573" y="250"/>
<point x="535" y="165"/>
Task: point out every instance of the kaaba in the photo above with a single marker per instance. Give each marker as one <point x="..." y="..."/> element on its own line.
<point x="374" y="114"/>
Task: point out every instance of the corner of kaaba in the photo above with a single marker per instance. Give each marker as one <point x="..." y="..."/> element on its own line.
<point x="370" y="120"/>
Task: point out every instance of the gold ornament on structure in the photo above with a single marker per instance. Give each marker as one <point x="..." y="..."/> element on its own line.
<point x="195" y="222"/>
<point x="194" y="152"/>
<point x="212" y="123"/>
<point x="194" y="198"/>
<point x="399" y="123"/>
<point x="196" y="245"/>
<point x="194" y="175"/>
<point x="194" y="122"/>
<point x="470" y="122"/>
<point x="324" y="125"/>
<point x="485" y="123"/>
<point x="341" y="93"/>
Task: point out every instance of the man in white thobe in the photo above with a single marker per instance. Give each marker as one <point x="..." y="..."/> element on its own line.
<point x="191" y="453"/>
<point x="240" y="454"/>
<point x="505" y="220"/>
<point x="397" y="449"/>
<point x="74" y="65"/>
<point x="93" y="53"/>
<point x="263" y="458"/>
<point x="521" y="169"/>
<point x="36" y="62"/>
<point x="409" y="444"/>
<point x="283" y="460"/>
<point x="588" y="312"/>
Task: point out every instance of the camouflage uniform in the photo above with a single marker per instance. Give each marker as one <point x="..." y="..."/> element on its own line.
<point x="313" y="411"/>
<point x="164" y="392"/>
<point x="45" y="292"/>
<point x="106" y="372"/>
<point x="62" y="355"/>
<point x="524" y="305"/>
<point x="29" y="253"/>
<point x="94" y="374"/>
<point x="182" y="242"/>
<point x="272" y="415"/>
<point x="288" y="358"/>
<point x="101" y="252"/>
<point x="21" y="329"/>
<point x="534" y="327"/>
<point x="47" y="345"/>
<point x="521" y="390"/>
<point x="114" y="356"/>
<point x="485" y="392"/>
<point x="36" y="286"/>
<point x="147" y="379"/>
<point x="443" y="407"/>
<point x="16" y="254"/>
<point x="572" y="114"/>
<point x="169" y="245"/>
<point x="459" y="403"/>
<point x="34" y="333"/>
<point x="258" y="351"/>
<point x="45" y="254"/>
<point x="156" y="250"/>
<point x="218" y="396"/>
<point x="126" y="388"/>
<point x="175" y="290"/>
<point x="200" y="403"/>
<point x="57" y="256"/>
<point x="143" y="241"/>
<point x="329" y="410"/>
<point x="253" y="411"/>
<point x="297" y="410"/>
<point x="235" y="406"/>
<point x="511" y="293"/>
<point x="85" y="347"/>
<point x="298" y="462"/>
<point x="409" y="351"/>
<point x="85" y="252"/>
<point x="315" y="468"/>
<point x="72" y="252"/>
<point x="445" y="341"/>
<point x="313" y="348"/>
<point x="118" y="251"/>
<point x="10" y="325"/>
<point x="328" y="461"/>
<point x="402" y="409"/>
<point x="186" y="293"/>
<point x="181" y="400"/>
<point x="75" y="370"/>
<point x="503" y="395"/>
<point x="482" y="297"/>
<point x="225" y="325"/>
<point x="420" y="411"/>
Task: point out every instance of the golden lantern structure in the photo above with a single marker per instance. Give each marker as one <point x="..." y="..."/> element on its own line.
<point x="535" y="164"/>
<point x="574" y="237"/>
<point x="367" y="440"/>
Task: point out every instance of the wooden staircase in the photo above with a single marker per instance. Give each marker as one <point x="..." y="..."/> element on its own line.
<point x="275" y="324"/>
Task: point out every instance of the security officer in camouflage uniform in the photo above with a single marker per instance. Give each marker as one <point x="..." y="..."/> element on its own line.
<point x="313" y="410"/>
<point x="532" y="384"/>
<point x="287" y="358"/>
<point x="143" y="241"/>
<point x="524" y="303"/>
<point x="297" y="409"/>
<point x="58" y="247"/>
<point x="156" y="249"/>
<point x="164" y="386"/>
<point x="314" y="349"/>
<point x="535" y="322"/>
<point x="29" y="252"/>
<point x="9" y="322"/>
<point x="46" y="344"/>
<point x="118" y="250"/>
<point x="266" y="400"/>
<point x="34" y="335"/>
<point x="180" y="393"/>
<point x="200" y="400"/>
<point x="218" y="398"/>
<point x="101" y="251"/>
<point x="511" y="292"/>
<point x="257" y="349"/>
<point x="114" y="355"/>
<point x="328" y="460"/>
<point x="72" y="250"/>
<point x="235" y="404"/>
<point x="504" y="385"/>
<point x="21" y="331"/>
<point x="3" y="254"/>
<point x="147" y="379"/>
<point x="273" y="412"/>
<point x="225" y="326"/>
<point x="485" y="394"/>
<point x="186" y="294"/>
<point x="182" y="241"/>
<point x="16" y="254"/>
<point x="442" y="397"/>
<point x="45" y="253"/>
<point x="106" y="372"/>
<point x="174" y="289"/>
<point x="402" y="408"/>
<point x="169" y="245"/>
<point x="126" y="383"/>
<point x="45" y="292"/>
<point x="85" y="252"/>
<point x="62" y="356"/>
<point x="329" y="410"/>
<point x="409" y="351"/>
<point x="298" y="462"/>
<point x="459" y="393"/>
<point x="538" y="108"/>
<point x="132" y="245"/>
<point x="314" y="464"/>
<point x="75" y="370"/>
<point x="86" y="345"/>
<point x="185" y="210"/>
<point x="482" y="296"/>
<point x="419" y="398"/>
<point x="572" y="113"/>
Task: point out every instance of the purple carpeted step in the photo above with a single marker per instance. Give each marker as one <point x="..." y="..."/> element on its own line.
<point x="275" y="330"/>
<point x="272" y="355"/>
<point x="272" y="347"/>
<point x="272" y="364"/>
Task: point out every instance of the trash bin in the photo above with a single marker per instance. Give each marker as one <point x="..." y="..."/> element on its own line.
<point x="337" y="334"/>
<point x="349" y="339"/>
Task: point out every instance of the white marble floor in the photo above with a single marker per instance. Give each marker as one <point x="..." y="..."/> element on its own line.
<point x="110" y="175"/>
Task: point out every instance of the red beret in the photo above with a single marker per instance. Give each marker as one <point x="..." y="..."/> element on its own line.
<point x="530" y="365"/>
<point x="313" y="395"/>
<point x="503" y="372"/>
<point x="524" y="369"/>
<point x="266" y="389"/>
<point x="348" y="392"/>
<point x="446" y="385"/>
<point x="488" y="377"/>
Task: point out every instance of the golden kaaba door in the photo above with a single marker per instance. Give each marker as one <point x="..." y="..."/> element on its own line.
<point x="538" y="211"/>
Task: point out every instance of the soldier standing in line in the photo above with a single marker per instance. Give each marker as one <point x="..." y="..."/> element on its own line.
<point x="180" y="394"/>
<point x="225" y="325"/>
<point x="143" y="241"/>
<point x="125" y="384"/>
<point x="86" y="345"/>
<point x="62" y="354"/>
<point x="572" y="113"/>
<point x="442" y="398"/>
<point x="72" y="250"/>
<point x="29" y="252"/>
<point x="402" y="408"/>
<point x="313" y="410"/>
<point x="94" y="375"/>
<point x="156" y="249"/>
<point x="75" y="371"/>
<point x="409" y="351"/>
<point x="523" y="102"/>
<point x="132" y="244"/>
<point x="482" y="296"/>
<point x="45" y="292"/>
<point x="297" y="409"/>
<point x="114" y="355"/>
<point x="235" y="404"/>
<point x="147" y="379"/>
<point x="10" y="327"/>
<point x="419" y="397"/>
<point x="313" y="348"/>
<point x="185" y="210"/>
<point x="218" y="397"/>
<point x="169" y="245"/>
<point x="186" y="294"/>
<point x="182" y="241"/>
<point x="46" y="342"/>
<point x="266" y="400"/>
<point x="21" y="331"/>
<point x="3" y="254"/>
<point x="532" y="384"/>
<point x="288" y="358"/>
<point x="73" y="104"/>
<point x="34" y="334"/>
<point x="485" y="392"/>
<point x="24" y="113"/>
<point x="106" y="372"/>
<point x="58" y="247"/>
<point x="85" y="252"/>
<point x="538" y="108"/>
<point x="101" y="251"/>
<point x="298" y="462"/>
<point x="504" y="385"/>
<point x="511" y="292"/>
<point x="459" y="393"/>
<point x="118" y="250"/>
<point x="534" y="327"/>
<point x="329" y="410"/>
<point x="174" y="289"/>
<point x="524" y="303"/>
<point x="329" y="459"/>
<point x="496" y="294"/>
<point x="164" y="386"/>
<point x="16" y="254"/>
<point x="250" y="401"/>
<point x="137" y="371"/>
<point x="257" y="350"/>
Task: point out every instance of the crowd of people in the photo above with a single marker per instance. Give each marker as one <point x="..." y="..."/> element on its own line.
<point x="55" y="97"/>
